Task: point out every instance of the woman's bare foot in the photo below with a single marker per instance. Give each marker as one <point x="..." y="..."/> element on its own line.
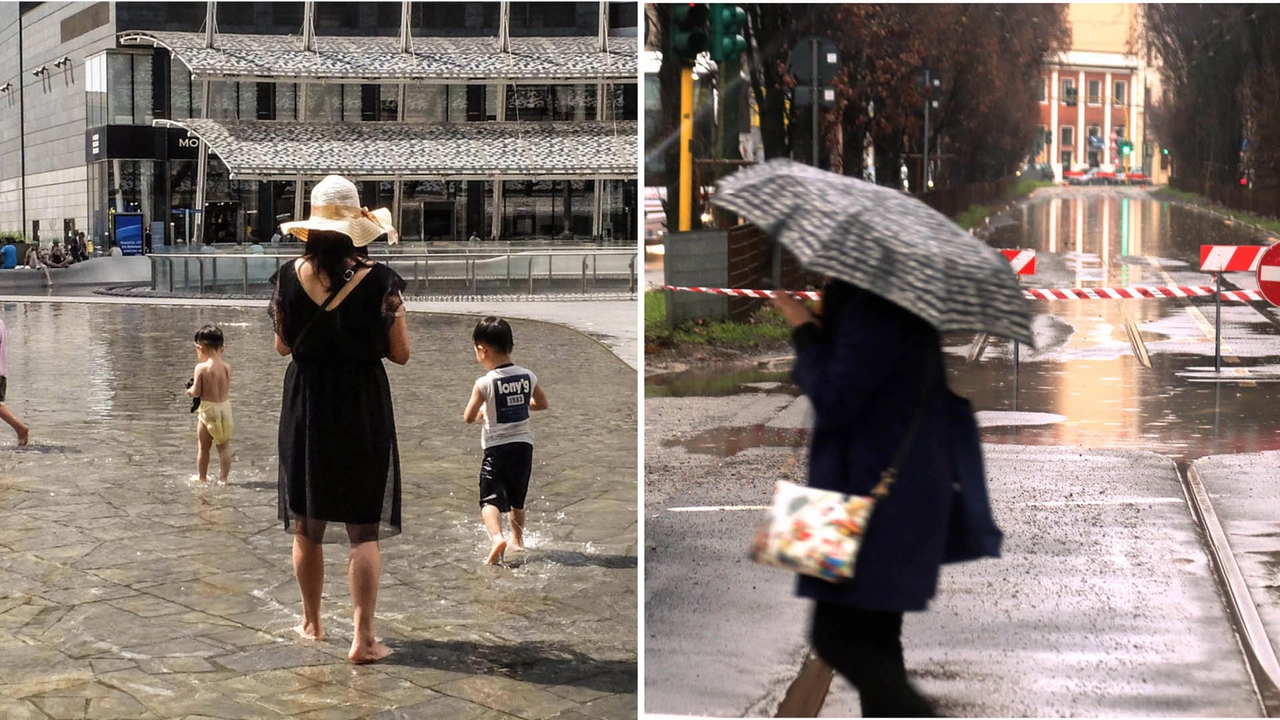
<point x="307" y="631"/>
<point x="495" y="552"/>
<point x="514" y="546"/>
<point x="23" y="435"/>
<point x="362" y="653"/>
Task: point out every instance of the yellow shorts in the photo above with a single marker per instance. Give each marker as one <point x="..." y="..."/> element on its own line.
<point x="216" y="418"/>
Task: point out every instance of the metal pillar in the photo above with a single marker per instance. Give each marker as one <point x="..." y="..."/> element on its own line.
<point x="816" y="142"/>
<point x="504" y="28"/>
<point x="309" y="26"/>
<point x="211" y="24"/>
<point x="202" y="171"/>
<point x="603" y="41"/>
<point x="597" y="209"/>
<point x="497" y="210"/>
<point x="406" y="31"/>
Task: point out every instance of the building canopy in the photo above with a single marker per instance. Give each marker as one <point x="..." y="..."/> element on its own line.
<point x="460" y="151"/>
<point x="433" y="59"/>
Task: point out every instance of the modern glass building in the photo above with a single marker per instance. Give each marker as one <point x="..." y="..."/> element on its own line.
<point x="498" y="120"/>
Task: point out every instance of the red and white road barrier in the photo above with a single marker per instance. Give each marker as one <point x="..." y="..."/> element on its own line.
<point x="1023" y="262"/>
<point x="735" y="292"/>
<point x="1129" y="293"/>
<point x="1231" y="258"/>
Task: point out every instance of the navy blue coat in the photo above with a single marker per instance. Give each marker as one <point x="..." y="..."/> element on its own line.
<point x="864" y="372"/>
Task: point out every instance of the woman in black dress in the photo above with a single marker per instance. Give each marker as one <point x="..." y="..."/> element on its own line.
<point x="339" y="314"/>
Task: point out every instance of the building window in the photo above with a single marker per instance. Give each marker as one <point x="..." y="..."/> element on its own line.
<point x="1044" y="90"/>
<point x="1065" y="158"/>
<point x="623" y="15"/>
<point x="426" y="103"/>
<point x="544" y="15"/>
<point x="1069" y="92"/>
<point x="95" y="86"/>
<point x="224" y="102"/>
<point x="1095" y="92"/>
<point x="286" y="101"/>
<point x="1068" y="135"/>
<point x="1122" y="92"/>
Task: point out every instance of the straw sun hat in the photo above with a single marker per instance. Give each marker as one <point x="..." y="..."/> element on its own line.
<point x="335" y="206"/>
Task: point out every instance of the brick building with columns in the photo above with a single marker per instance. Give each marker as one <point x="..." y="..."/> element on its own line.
<point x="1096" y="92"/>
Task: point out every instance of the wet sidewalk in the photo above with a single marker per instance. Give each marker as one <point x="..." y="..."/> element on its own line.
<point x="614" y="323"/>
<point x="131" y="590"/>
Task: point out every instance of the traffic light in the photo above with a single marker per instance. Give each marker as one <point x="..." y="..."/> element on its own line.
<point x="1164" y="151"/>
<point x="1126" y="148"/>
<point x="727" y="22"/>
<point x="688" y="32"/>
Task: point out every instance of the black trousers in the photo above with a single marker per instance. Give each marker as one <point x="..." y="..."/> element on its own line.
<point x="865" y="646"/>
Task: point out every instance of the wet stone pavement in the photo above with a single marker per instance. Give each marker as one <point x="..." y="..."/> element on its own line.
<point x="128" y="589"/>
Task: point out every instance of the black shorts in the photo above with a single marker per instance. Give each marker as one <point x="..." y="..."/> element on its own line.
<point x="4" y="385"/>
<point x="504" y="475"/>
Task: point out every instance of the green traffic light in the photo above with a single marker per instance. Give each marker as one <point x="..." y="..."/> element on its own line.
<point x="727" y="22"/>
<point x="1164" y="151"/>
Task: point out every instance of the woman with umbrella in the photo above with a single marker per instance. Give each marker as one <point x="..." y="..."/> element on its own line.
<point x="872" y="368"/>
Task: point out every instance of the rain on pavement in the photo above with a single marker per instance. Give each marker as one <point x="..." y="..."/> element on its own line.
<point x="132" y="590"/>
<point x="1082" y="388"/>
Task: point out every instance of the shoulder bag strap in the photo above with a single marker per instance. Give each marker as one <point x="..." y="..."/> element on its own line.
<point x="890" y="473"/>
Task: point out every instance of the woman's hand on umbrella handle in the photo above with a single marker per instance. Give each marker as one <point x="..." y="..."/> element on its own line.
<point x="793" y="311"/>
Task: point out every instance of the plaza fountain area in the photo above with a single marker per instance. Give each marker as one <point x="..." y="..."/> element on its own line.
<point x="130" y="589"/>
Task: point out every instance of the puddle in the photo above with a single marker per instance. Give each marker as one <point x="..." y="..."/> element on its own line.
<point x="720" y="383"/>
<point x="727" y="442"/>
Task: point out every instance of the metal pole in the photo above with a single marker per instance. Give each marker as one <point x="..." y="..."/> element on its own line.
<point x="1217" y="325"/>
<point x="244" y="284"/>
<point x="686" y="150"/>
<point x="814" y="43"/>
<point x="925" y="175"/>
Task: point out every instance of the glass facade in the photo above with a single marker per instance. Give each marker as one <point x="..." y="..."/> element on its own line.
<point x="119" y="86"/>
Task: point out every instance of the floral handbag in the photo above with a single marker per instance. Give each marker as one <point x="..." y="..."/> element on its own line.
<point x="818" y="532"/>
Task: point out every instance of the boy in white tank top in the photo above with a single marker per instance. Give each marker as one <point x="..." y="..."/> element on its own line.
<point x="505" y="395"/>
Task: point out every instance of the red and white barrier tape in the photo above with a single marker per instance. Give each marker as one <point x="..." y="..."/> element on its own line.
<point x="1129" y="293"/>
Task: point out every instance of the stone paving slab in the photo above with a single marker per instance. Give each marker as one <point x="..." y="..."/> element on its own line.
<point x="130" y="590"/>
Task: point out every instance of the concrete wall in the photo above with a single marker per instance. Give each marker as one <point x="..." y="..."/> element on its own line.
<point x="696" y="259"/>
<point x="54" y="115"/>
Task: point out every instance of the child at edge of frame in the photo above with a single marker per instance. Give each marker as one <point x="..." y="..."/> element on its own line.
<point x="504" y="395"/>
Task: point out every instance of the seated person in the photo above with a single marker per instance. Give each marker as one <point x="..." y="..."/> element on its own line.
<point x="57" y="257"/>
<point x="9" y="257"/>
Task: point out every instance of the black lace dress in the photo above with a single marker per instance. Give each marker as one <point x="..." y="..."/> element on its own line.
<point x="339" y="464"/>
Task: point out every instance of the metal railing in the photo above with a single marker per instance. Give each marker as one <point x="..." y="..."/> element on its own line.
<point x="474" y="272"/>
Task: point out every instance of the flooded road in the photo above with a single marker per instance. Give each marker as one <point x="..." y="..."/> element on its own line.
<point x="1084" y="367"/>
<point x="130" y="585"/>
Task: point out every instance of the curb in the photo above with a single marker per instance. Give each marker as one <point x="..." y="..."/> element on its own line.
<point x="1264" y="668"/>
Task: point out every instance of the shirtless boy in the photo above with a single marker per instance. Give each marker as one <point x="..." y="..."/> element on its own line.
<point x="212" y="384"/>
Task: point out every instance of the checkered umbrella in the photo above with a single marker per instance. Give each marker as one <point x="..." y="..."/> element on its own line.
<point x="883" y="241"/>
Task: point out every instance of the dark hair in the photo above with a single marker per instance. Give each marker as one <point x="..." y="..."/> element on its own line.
<point x="494" y="332"/>
<point x="330" y="251"/>
<point x="210" y="336"/>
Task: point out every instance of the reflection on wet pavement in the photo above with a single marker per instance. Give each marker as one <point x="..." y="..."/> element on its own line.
<point x="1083" y="367"/>
<point x="135" y="591"/>
<point x="729" y="441"/>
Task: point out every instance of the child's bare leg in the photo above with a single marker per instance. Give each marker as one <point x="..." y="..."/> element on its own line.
<point x="516" y="518"/>
<point x="492" y="517"/>
<point x="363" y="569"/>
<point x="23" y="431"/>
<point x="224" y="461"/>
<point x="308" y="567"/>
<point x="202" y="450"/>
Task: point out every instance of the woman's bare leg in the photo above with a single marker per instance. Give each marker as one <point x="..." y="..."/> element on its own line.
<point x="308" y="567"/>
<point x="363" y="570"/>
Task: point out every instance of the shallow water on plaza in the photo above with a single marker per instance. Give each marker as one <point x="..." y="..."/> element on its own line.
<point x="107" y="493"/>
